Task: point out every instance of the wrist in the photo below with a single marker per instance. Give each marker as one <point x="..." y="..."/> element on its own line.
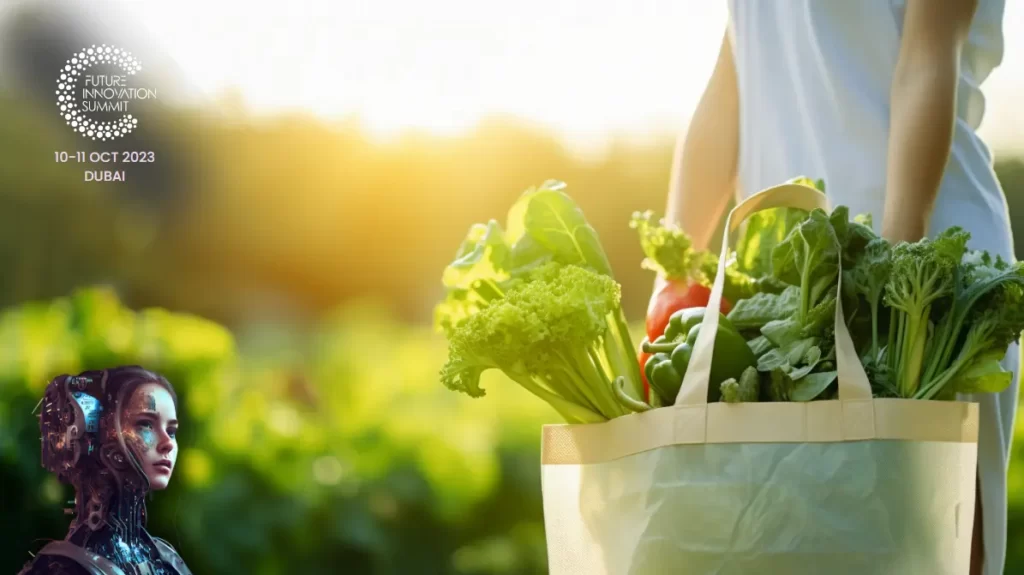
<point x="904" y="228"/>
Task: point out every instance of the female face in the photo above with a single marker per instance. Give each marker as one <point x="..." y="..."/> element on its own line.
<point x="150" y="423"/>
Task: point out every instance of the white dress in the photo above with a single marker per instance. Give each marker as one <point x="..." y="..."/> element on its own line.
<point x="814" y="79"/>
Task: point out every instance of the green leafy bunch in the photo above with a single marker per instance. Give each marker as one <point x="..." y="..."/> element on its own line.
<point x="538" y="301"/>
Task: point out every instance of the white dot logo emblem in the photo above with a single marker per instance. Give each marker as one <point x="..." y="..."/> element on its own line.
<point x="69" y="89"/>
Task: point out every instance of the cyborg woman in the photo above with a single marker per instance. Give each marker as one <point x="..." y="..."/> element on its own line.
<point x="110" y="434"/>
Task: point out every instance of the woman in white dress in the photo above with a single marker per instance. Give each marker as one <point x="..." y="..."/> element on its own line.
<point x="881" y="99"/>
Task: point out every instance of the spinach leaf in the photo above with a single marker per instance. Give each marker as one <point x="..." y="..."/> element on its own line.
<point x="555" y="222"/>
<point x="812" y="386"/>
<point x="762" y="308"/>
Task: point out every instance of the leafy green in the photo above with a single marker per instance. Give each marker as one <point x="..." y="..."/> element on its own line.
<point x="546" y="335"/>
<point x="766" y="229"/>
<point x="669" y="251"/>
<point x="553" y="220"/>
<point x="987" y="314"/>
<point x="784" y="388"/>
<point x="812" y="386"/>
<point x="809" y="258"/>
<point x="539" y="303"/>
<point x="746" y="389"/>
<point x="983" y="375"/>
<point x="484" y="268"/>
<point x="868" y="278"/>
<point x="761" y="308"/>
<point x="853" y="235"/>
<point x="760" y="345"/>
<point x="923" y="274"/>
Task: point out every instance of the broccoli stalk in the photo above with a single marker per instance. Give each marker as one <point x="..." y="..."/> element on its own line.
<point x="868" y="277"/>
<point x="922" y="274"/>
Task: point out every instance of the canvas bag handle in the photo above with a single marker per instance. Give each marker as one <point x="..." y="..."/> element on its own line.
<point x="853" y="381"/>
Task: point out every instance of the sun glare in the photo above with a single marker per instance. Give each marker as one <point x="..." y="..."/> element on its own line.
<point x="583" y="69"/>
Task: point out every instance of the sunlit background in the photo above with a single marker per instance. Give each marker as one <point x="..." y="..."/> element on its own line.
<point x="318" y="164"/>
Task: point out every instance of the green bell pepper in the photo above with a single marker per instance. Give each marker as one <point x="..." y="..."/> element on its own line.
<point x="651" y="362"/>
<point x="681" y="357"/>
<point x="731" y="357"/>
<point x="666" y="380"/>
<point x="679" y="325"/>
<point x="680" y="322"/>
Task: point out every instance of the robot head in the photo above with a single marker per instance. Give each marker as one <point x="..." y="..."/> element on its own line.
<point x="89" y="438"/>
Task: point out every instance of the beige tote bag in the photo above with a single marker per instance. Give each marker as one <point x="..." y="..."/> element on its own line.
<point x="850" y="486"/>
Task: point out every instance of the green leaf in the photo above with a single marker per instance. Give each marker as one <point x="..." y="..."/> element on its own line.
<point x="762" y="308"/>
<point x="812" y="386"/>
<point x="796" y="350"/>
<point x="772" y="361"/>
<point x="852" y="236"/>
<point x="809" y="258"/>
<point x="526" y="256"/>
<point x="484" y="254"/>
<point x="782" y="332"/>
<point x="668" y="250"/>
<point x="766" y="229"/>
<point x="983" y="375"/>
<point x="762" y="232"/>
<point x="820" y="317"/>
<point x="556" y="223"/>
<point x="760" y="345"/>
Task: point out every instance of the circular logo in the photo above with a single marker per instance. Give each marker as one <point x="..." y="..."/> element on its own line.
<point x="80" y="101"/>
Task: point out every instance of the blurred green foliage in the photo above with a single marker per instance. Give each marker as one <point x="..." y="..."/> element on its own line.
<point x="344" y="452"/>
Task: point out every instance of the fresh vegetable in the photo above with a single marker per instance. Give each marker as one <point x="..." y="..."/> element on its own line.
<point x="730" y="357"/>
<point x="922" y="274"/>
<point x="794" y="325"/>
<point x="748" y="388"/>
<point x="809" y="258"/>
<point x="625" y="399"/>
<point x="784" y="388"/>
<point x="666" y="379"/>
<point x="982" y="312"/>
<point x="761" y="308"/>
<point x="655" y="359"/>
<point x="680" y="356"/>
<point x="764" y="230"/>
<point x="867" y="278"/>
<point x="669" y="252"/>
<point x="674" y="296"/>
<point x="682" y="321"/>
<point x="538" y="302"/>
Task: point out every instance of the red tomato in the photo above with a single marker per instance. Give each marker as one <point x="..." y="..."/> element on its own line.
<point x="676" y="295"/>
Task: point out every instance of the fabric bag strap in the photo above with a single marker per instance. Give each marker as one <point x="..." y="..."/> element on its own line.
<point x="853" y="381"/>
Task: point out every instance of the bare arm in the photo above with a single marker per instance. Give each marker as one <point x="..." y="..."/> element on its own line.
<point x="923" y="116"/>
<point x="704" y="164"/>
<point x="923" y="112"/>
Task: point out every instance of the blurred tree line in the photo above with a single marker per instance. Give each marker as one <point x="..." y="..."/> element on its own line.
<point x="300" y="261"/>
